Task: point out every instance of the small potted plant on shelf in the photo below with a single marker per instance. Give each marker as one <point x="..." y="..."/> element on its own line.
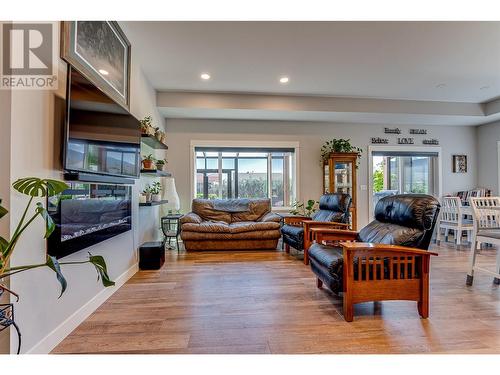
<point x="146" y="126"/>
<point x="147" y="192"/>
<point x="148" y="162"/>
<point x="155" y="191"/>
<point x="160" y="164"/>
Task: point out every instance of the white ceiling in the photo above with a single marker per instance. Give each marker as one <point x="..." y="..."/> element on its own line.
<point x="391" y="60"/>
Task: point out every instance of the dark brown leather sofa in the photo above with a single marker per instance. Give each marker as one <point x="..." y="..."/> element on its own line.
<point x="232" y="224"/>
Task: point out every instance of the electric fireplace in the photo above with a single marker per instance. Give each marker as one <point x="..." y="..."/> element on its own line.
<point x="86" y="214"/>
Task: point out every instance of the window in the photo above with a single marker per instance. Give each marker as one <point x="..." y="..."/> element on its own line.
<point x="246" y="173"/>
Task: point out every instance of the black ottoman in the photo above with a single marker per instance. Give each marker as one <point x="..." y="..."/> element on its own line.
<point x="151" y="255"/>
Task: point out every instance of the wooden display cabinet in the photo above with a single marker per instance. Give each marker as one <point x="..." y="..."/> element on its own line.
<point x="339" y="176"/>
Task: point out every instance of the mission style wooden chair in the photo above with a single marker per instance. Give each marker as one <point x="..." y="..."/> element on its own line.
<point x="386" y="260"/>
<point x="333" y="213"/>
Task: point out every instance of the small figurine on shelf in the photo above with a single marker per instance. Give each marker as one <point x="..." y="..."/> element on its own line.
<point x="160" y="135"/>
<point x="148" y="162"/>
<point x="155" y="191"/>
<point x="160" y="164"/>
<point x="147" y="126"/>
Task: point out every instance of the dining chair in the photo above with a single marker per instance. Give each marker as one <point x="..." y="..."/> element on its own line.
<point x="452" y="218"/>
<point x="486" y="219"/>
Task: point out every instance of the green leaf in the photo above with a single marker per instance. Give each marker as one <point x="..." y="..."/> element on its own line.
<point x="3" y="211"/>
<point x="102" y="270"/>
<point x="37" y="187"/>
<point x="49" y="223"/>
<point x="3" y="244"/>
<point x="53" y="264"/>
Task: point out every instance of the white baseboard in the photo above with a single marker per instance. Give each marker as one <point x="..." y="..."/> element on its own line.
<point x="50" y="341"/>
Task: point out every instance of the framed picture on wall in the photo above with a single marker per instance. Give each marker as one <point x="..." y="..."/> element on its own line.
<point x="459" y="163"/>
<point x="101" y="52"/>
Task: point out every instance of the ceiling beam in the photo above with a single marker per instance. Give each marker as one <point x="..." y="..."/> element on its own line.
<point x="204" y="100"/>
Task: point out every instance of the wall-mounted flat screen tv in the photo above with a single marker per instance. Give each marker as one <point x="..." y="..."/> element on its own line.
<point x="101" y="136"/>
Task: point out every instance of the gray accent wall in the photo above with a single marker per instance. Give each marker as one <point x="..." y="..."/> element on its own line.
<point x="488" y="137"/>
<point x="311" y="136"/>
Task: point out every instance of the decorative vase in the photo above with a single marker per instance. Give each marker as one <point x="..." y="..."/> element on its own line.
<point x="170" y="194"/>
<point x="142" y="198"/>
<point x="156" y="197"/>
<point x="160" y="167"/>
<point x="148" y="197"/>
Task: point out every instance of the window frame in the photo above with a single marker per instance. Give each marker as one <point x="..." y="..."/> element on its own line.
<point x="254" y="145"/>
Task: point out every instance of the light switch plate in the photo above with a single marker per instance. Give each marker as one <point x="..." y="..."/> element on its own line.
<point x="364" y="187"/>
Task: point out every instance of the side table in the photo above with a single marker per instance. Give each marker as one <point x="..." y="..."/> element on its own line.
<point x="171" y="228"/>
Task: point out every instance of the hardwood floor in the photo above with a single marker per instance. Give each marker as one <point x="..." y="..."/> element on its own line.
<point x="267" y="302"/>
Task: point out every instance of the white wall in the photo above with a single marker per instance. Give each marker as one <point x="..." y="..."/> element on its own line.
<point x="311" y="137"/>
<point x="5" y="100"/>
<point x="488" y="168"/>
<point x="35" y="152"/>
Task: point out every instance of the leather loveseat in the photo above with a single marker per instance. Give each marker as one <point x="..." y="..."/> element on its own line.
<point x="231" y="224"/>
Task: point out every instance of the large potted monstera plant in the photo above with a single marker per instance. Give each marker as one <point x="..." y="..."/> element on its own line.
<point x="33" y="188"/>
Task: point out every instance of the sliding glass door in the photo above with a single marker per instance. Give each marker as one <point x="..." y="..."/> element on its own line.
<point x="403" y="173"/>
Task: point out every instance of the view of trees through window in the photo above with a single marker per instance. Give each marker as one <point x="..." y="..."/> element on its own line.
<point x="406" y="174"/>
<point x="242" y="174"/>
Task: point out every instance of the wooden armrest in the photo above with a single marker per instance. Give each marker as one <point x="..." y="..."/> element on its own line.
<point x="312" y="223"/>
<point x="353" y="246"/>
<point x="295" y="219"/>
<point x="329" y="234"/>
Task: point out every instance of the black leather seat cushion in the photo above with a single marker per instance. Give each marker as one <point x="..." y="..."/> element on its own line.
<point x="293" y="236"/>
<point x="327" y="263"/>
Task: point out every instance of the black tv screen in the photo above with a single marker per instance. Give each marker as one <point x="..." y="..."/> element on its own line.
<point x="101" y="136"/>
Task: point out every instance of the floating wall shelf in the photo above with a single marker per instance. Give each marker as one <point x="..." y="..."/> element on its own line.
<point x="149" y="204"/>
<point x="155" y="173"/>
<point x="153" y="142"/>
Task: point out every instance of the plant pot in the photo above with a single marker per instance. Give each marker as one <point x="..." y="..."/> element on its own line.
<point x="142" y="198"/>
<point x="148" y="197"/>
<point x="160" y="167"/>
<point x="156" y="197"/>
<point x="147" y="164"/>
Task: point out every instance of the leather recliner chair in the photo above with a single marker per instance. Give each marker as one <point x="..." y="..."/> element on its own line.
<point x="333" y="213"/>
<point x="386" y="260"/>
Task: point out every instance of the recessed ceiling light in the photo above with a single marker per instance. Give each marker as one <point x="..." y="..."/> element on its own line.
<point x="441" y="86"/>
<point x="205" y="76"/>
<point x="284" y="79"/>
<point x="103" y="72"/>
<point x="484" y="87"/>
